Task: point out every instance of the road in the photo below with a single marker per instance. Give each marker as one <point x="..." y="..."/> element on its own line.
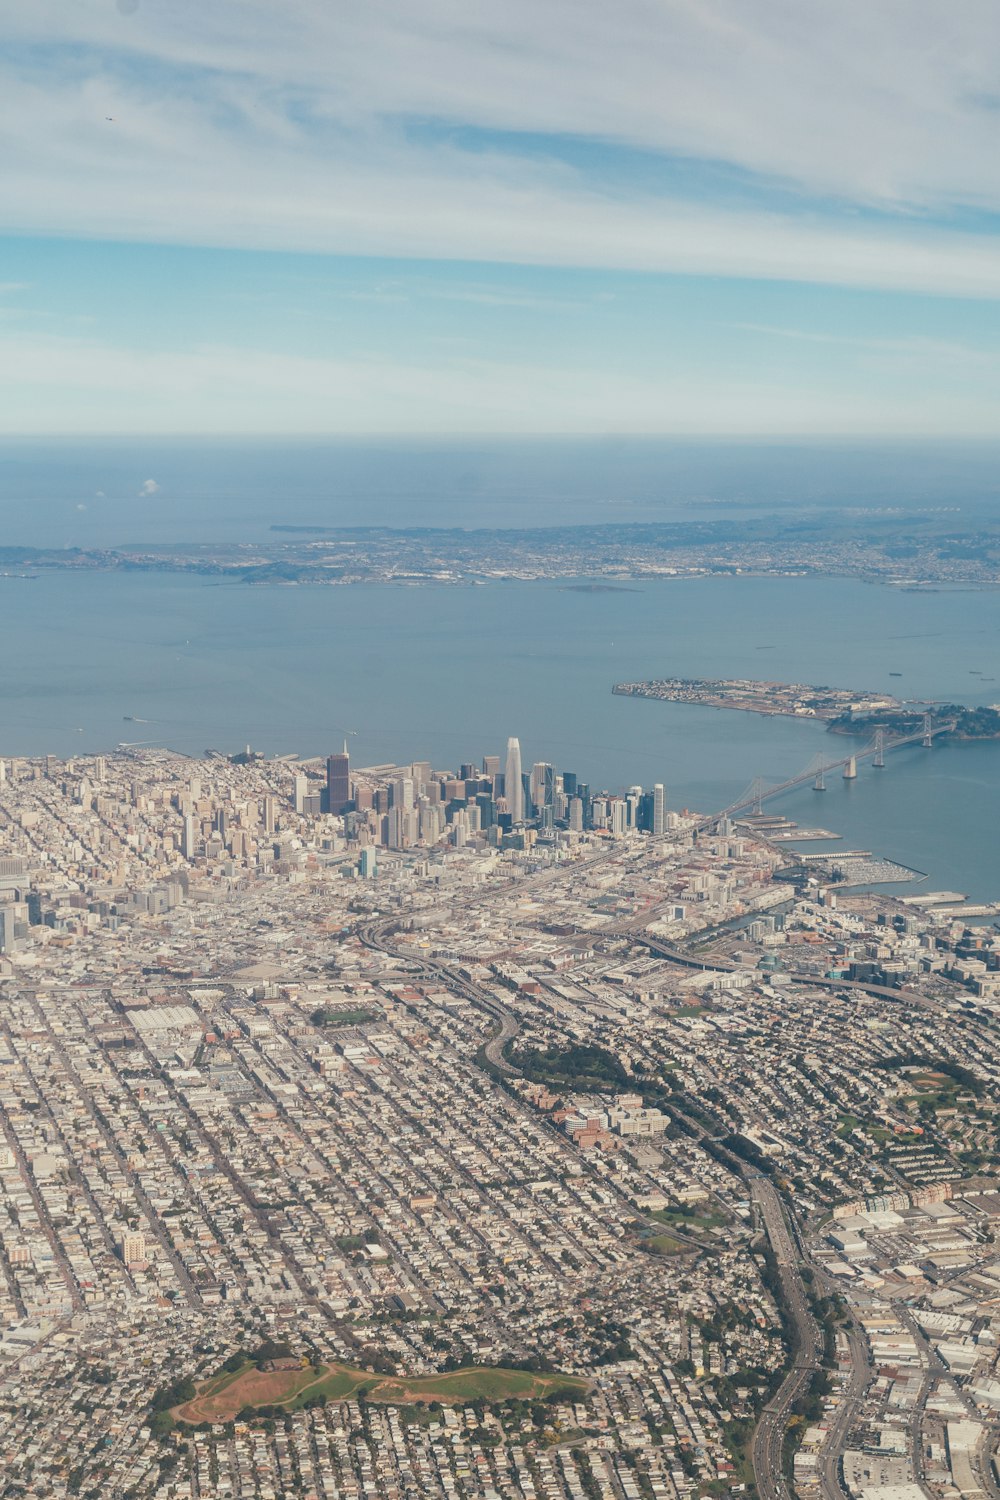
<point x="981" y="1464"/>
<point x="768" y="1438"/>
<point x="843" y="1418"/>
<point x="723" y="966"/>
<point x="372" y="935"/>
<point x="769" y="1434"/>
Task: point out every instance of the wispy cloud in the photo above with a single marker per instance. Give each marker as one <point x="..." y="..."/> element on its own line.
<point x="397" y="201"/>
<point x="499" y="297"/>
<point x="841" y="145"/>
<point x="218" y="388"/>
<point x="480" y="296"/>
<point x="876" y="103"/>
<point x="470" y="131"/>
<point x="915" y="347"/>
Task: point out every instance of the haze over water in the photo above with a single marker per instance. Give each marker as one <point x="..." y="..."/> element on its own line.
<point x="62" y="493"/>
<point x="446" y="673"/>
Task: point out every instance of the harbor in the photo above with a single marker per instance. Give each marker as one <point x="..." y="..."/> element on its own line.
<point x="860" y="867"/>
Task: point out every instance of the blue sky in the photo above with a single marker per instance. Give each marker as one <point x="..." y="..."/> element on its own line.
<point x="662" y="216"/>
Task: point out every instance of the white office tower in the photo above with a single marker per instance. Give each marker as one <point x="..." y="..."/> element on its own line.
<point x="618" y="813"/>
<point x="431" y="821"/>
<point x="189" y="837"/>
<point x="576" y="815"/>
<point x="300" y="793"/>
<point x="404" y="827"/>
<point x="513" y="787"/>
<point x="659" y="809"/>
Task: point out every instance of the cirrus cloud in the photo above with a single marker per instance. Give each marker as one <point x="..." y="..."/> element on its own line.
<point x="842" y="143"/>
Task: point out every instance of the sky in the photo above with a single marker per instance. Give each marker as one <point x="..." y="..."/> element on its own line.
<point x="748" y="217"/>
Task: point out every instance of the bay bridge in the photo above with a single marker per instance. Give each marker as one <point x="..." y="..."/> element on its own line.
<point x="759" y="791"/>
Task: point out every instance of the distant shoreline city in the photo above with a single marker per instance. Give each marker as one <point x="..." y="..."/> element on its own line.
<point x="940" y="552"/>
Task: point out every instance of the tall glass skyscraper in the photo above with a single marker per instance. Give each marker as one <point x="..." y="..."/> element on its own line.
<point x="512" y="783"/>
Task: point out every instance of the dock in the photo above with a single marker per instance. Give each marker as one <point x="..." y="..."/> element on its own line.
<point x="802" y="835"/>
<point x="936" y="898"/>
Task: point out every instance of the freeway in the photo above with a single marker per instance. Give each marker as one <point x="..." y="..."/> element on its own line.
<point x="374" y="936"/>
<point x="766" y="1448"/>
<point x="493" y="1050"/>
<point x="723" y="966"/>
<point x="767" y="1443"/>
<point x="844" y="1416"/>
<point x="769" y="1435"/>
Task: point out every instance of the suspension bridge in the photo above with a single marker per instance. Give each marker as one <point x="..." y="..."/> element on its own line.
<point x="760" y="791"/>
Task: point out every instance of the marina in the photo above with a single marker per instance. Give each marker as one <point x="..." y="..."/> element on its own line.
<point x="860" y="867"/>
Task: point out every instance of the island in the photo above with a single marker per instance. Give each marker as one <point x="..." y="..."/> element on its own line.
<point x="843" y="710"/>
<point x="794" y="699"/>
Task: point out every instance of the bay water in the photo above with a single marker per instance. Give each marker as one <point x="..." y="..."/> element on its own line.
<point x="447" y="673"/>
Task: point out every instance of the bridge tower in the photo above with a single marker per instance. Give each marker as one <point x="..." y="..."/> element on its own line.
<point x="928" y="738"/>
<point x="879" y="761"/>
<point x="757" y="793"/>
<point x="819" y="785"/>
<point x="851" y="769"/>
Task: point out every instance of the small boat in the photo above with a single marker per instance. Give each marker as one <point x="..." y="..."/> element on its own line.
<point x="895" y="674"/>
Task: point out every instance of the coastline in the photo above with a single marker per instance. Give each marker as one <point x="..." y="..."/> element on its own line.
<point x="772" y="700"/>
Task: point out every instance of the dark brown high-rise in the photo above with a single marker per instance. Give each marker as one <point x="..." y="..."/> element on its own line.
<point x="338" y="780"/>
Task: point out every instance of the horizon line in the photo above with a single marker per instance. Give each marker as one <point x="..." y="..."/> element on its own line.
<point x="489" y="435"/>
